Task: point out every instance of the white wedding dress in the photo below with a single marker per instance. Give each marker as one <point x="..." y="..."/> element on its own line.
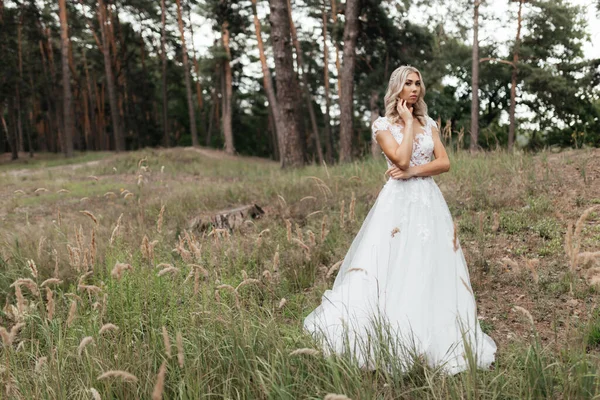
<point x="404" y="284"/>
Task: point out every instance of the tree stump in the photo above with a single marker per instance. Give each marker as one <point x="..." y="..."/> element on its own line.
<point x="230" y="219"/>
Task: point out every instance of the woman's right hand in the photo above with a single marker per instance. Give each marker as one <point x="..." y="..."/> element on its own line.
<point x="405" y="112"/>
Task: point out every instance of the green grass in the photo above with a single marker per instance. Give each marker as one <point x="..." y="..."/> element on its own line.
<point x="244" y="352"/>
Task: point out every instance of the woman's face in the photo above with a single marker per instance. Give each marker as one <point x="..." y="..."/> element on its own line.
<point x="412" y="89"/>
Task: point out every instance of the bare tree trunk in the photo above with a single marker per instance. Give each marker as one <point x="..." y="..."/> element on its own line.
<point x="287" y="85"/>
<point x="21" y="142"/>
<point x="328" y="135"/>
<point x="305" y="86"/>
<point x="513" y="82"/>
<point x="347" y="76"/>
<point x="93" y="142"/>
<point x="163" y="56"/>
<point x="66" y="77"/>
<point x="110" y="82"/>
<point x="196" y="65"/>
<point x="268" y="82"/>
<point x="227" y="110"/>
<point x="475" y="78"/>
<point x="188" y="83"/>
<point x="375" y="149"/>
<point x="337" y="48"/>
<point x="12" y="137"/>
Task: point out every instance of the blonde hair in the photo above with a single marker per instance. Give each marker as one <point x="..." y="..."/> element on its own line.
<point x="395" y="86"/>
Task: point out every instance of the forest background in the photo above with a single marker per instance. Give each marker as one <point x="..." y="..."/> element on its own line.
<point x="123" y="75"/>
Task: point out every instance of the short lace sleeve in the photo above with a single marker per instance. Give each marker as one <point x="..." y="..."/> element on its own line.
<point x="380" y="124"/>
<point x="432" y="123"/>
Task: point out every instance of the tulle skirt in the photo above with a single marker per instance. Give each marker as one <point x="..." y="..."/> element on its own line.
<point x="403" y="288"/>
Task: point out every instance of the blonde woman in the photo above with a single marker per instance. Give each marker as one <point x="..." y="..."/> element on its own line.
<point x="403" y="290"/>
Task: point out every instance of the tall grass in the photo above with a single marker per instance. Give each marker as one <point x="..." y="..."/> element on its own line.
<point x="136" y="305"/>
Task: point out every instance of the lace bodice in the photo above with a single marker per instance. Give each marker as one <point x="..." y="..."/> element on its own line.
<point x="422" y="145"/>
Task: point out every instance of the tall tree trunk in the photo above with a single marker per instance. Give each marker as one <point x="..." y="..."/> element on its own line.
<point x="475" y="78"/>
<point x="305" y="86"/>
<point x="513" y="82"/>
<point x="188" y="83"/>
<point x="375" y="150"/>
<point x="66" y="77"/>
<point x="268" y="82"/>
<point x="110" y="82"/>
<point x="163" y="56"/>
<point x="337" y="48"/>
<point x="328" y="135"/>
<point x="347" y="76"/>
<point x="227" y="110"/>
<point x="93" y="141"/>
<point x="196" y="65"/>
<point x="287" y="85"/>
<point x="11" y="136"/>
<point x="21" y="142"/>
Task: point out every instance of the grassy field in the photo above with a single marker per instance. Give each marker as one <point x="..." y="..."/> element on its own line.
<point x="105" y="239"/>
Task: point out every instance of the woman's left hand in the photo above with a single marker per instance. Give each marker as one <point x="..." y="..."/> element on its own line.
<point x="397" y="173"/>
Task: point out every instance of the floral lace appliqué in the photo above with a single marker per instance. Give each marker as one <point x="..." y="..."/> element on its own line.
<point x="422" y="144"/>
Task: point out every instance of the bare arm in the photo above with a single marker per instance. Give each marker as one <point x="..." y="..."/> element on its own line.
<point x="399" y="154"/>
<point x="438" y="166"/>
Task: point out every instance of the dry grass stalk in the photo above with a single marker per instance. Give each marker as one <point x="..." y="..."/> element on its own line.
<point x="40" y="247"/>
<point x="232" y="290"/>
<point x="334" y="396"/>
<point x="21" y="304"/>
<point x="119" y="268"/>
<point x="90" y="289"/>
<point x="166" y="341"/>
<point x="481" y="220"/>
<point x="14" y="331"/>
<point x="311" y="238"/>
<point x="282" y="303"/>
<point x="395" y="230"/>
<point x="110" y="195"/>
<point x="115" y="231"/>
<point x="159" y="385"/>
<point x="146" y="249"/>
<point x="6" y="342"/>
<point x="41" y="190"/>
<point x="95" y="394"/>
<point x="163" y="265"/>
<point x="19" y="191"/>
<point x="39" y="364"/>
<point x="301" y="244"/>
<point x="308" y="198"/>
<point x="51" y="281"/>
<point x="93" y="177"/>
<point x="466" y="285"/>
<point x="168" y="270"/>
<point x="108" y="327"/>
<point x="314" y="213"/>
<point x="84" y="342"/>
<point x="180" y="354"/>
<point x="159" y="222"/>
<point x="50" y="306"/>
<point x="307" y="351"/>
<point x="72" y="313"/>
<point x="288" y="225"/>
<point x="89" y="214"/>
<point x="342" y="206"/>
<point x="352" y="207"/>
<point x="126" y="376"/>
<point x="323" y="228"/>
<point x="334" y="268"/>
<point x="356" y="269"/>
<point x="588" y="257"/>
<point x="93" y="249"/>
<point x="276" y="260"/>
<point x="455" y="238"/>
<point x="525" y="313"/>
<point x="247" y="281"/>
<point x="299" y="233"/>
<point x="266" y="274"/>
<point x="28" y="283"/>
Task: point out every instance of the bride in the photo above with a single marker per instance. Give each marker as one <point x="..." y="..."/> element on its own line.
<point x="403" y="289"/>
